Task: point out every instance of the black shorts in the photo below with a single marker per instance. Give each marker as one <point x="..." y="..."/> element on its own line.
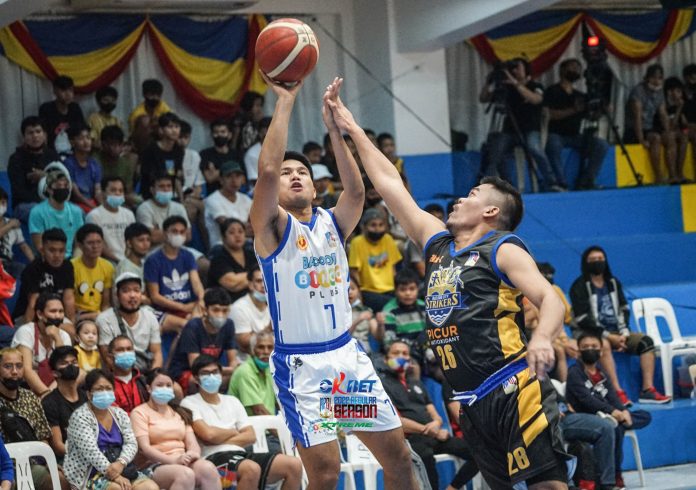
<point x="227" y="463"/>
<point x="514" y="434"/>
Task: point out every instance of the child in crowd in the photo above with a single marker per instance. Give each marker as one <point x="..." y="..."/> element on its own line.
<point x="11" y="235"/>
<point x="84" y="170"/>
<point x="364" y="321"/>
<point x="87" y="347"/>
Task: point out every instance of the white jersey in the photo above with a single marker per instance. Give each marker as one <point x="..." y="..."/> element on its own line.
<point x="306" y="282"/>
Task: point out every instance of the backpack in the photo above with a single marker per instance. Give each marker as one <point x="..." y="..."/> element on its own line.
<point x="15" y="427"/>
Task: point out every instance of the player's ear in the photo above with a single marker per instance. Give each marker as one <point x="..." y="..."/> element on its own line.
<point x="491" y="212"/>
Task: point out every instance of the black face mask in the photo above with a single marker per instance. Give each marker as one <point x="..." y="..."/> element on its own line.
<point x="151" y="103"/>
<point x="56" y="322"/>
<point x="69" y="373"/>
<point x="374" y="236"/>
<point x="597" y="268"/>
<point x="589" y="356"/>
<point x="107" y="108"/>
<point x="10" y="384"/>
<point x="221" y="141"/>
<point x="572" y="76"/>
<point x="61" y="195"/>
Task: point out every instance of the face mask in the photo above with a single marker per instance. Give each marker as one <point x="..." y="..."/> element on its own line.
<point x="55" y="322"/>
<point x="589" y="356"/>
<point x="164" y="197"/>
<point x="260" y="297"/>
<point x="115" y="201"/>
<point x="88" y="348"/>
<point x="176" y="241"/>
<point x="260" y="364"/>
<point x="151" y="103"/>
<point x="210" y="383"/>
<point x="220" y="141"/>
<point x="107" y="108"/>
<point x="398" y="364"/>
<point x="572" y="76"/>
<point x="162" y="395"/>
<point x="69" y="373"/>
<point x="597" y="268"/>
<point x="125" y="360"/>
<point x="11" y="384"/>
<point x="61" y="195"/>
<point x="3" y="210"/>
<point x="355" y="303"/>
<point x="374" y="236"/>
<point x="217" y="321"/>
<point x="103" y="399"/>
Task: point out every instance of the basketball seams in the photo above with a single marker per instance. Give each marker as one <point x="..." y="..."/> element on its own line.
<point x="297" y="40"/>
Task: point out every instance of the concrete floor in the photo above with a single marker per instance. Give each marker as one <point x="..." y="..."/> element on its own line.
<point x="680" y="477"/>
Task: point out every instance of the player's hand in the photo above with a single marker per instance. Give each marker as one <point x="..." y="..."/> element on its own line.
<point x="330" y="94"/>
<point x="341" y="115"/>
<point x="282" y="90"/>
<point x="540" y="355"/>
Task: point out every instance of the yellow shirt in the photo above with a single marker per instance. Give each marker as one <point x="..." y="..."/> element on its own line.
<point x="98" y="121"/>
<point x="88" y="359"/>
<point x="162" y="108"/>
<point x="91" y="283"/>
<point x="374" y="263"/>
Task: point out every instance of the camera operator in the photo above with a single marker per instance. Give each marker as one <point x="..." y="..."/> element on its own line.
<point x="567" y="108"/>
<point x="522" y="101"/>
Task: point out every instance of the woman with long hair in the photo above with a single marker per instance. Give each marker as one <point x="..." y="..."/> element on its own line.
<point x="229" y="267"/>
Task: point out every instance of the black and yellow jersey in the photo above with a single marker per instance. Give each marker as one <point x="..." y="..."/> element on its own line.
<point x="474" y="318"/>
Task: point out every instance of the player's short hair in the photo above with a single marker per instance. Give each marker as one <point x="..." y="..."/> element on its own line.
<point x="293" y="155"/>
<point x="512" y="208"/>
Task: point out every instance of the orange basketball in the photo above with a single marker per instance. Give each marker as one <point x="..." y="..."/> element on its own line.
<point x="287" y="50"/>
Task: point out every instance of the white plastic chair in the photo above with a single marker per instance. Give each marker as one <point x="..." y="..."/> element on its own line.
<point x="360" y="458"/>
<point x="650" y="309"/>
<point x="21" y="452"/>
<point x="631" y="434"/>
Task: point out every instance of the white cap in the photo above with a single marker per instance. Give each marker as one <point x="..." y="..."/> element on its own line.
<point x="128" y="276"/>
<point x="321" y="171"/>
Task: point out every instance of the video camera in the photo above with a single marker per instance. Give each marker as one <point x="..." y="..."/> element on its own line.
<point x="501" y="90"/>
<point x="598" y="75"/>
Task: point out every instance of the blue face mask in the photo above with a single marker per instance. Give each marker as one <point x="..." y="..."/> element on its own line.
<point x="260" y="364"/>
<point x="125" y="360"/>
<point x="260" y="297"/>
<point x="210" y="383"/>
<point x="103" y="399"/>
<point x="164" y="197"/>
<point x="115" y="201"/>
<point x="162" y="395"/>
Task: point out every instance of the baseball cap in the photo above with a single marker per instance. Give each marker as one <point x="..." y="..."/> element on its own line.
<point x="230" y="167"/>
<point x="127" y="277"/>
<point x="321" y="171"/>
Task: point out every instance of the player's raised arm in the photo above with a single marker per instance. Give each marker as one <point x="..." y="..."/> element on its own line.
<point x="418" y="224"/>
<point x="350" y="203"/>
<point x="267" y="218"/>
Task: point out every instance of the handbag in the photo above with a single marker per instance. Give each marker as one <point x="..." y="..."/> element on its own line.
<point x="112" y="452"/>
<point x="15" y="427"/>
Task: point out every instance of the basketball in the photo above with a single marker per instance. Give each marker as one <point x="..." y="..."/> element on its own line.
<point x="287" y="50"/>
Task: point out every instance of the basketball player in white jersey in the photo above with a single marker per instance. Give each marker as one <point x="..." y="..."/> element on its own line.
<point x="322" y="377"/>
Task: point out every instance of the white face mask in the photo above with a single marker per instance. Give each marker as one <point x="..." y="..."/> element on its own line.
<point x="175" y="240"/>
<point x="3" y="210"/>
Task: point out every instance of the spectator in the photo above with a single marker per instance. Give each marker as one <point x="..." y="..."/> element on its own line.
<point x="251" y="157"/>
<point x="675" y="136"/>
<point x="372" y="259"/>
<point x="689" y="110"/>
<point x="168" y="448"/>
<point x="138" y="242"/>
<point x="566" y="111"/>
<point x="212" y="334"/>
<point x="31" y="425"/>
<point x="50" y="272"/>
<point x="421" y="422"/>
<point x="312" y="150"/>
<point x="251" y="113"/>
<point x="10" y="236"/>
<point x="646" y="102"/>
<point x="26" y="167"/>
<point x="324" y="198"/>
<point x="589" y="391"/>
<point x="221" y="424"/>
<point x="192" y="187"/>
<point x="55" y="211"/>
<point x="163" y="156"/>
<point x="524" y="103"/>
<point x="141" y="136"/>
<point x="7" y="475"/>
<point x="129" y="385"/>
<point x="60" y="114"/>
<point x="84" y="170"/>
<point x="113" y="218"/>
<point x="154" y="211"/>
<point x="88" y="357"/>
<point x="250" y="313"/>
<point x="227" y="202"/>
<point x="60" y="403"/>
<point x="102" y="444"/>
<point x="214" y="157"/>
<point x="106" y="98"/>
<point x="36" y="340"/>
<point x="129" y="318"/>
<point x="152" y="106"/>
<point x="365" y="323"/>
<point x="600" y="307"/>
<point x="114" y="163"/>
<point x="371" y="135"/>
<point x="93" y="274"/>
<point x="386" y="144"/>
<point x="252" y="382"/>
<point x="230" y="267"/>
<point x="171" y="277"/>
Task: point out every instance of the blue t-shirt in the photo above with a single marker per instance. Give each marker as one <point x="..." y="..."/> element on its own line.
<point x="194" y="338"/>
<point x="605" y="309"/>
<point x="43" y="216"/>
<point x="85" y="178"/>
<point x="172" y="276"/>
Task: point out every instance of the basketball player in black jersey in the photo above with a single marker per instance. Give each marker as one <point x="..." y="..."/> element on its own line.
<point x="476" y="274"/>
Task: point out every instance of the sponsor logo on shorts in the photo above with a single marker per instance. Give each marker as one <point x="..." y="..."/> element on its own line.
<point x="330" y="427"/>
<point x="355" y="407"/>
<point x="510" y="385"/>
<point x="341" y="385"/>
<point x="442" y="296"/>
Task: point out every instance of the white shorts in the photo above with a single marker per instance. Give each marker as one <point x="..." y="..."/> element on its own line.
<point x="321" y="392"/>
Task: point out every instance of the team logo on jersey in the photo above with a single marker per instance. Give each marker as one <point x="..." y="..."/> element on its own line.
<point x="302" y="242"/>
<point x="442" y="296"/>
<point x="331" y="239"/>
<point x="473" y="258"/>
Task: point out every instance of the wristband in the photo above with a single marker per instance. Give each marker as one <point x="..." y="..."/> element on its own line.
<point x="122" y="461"/>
